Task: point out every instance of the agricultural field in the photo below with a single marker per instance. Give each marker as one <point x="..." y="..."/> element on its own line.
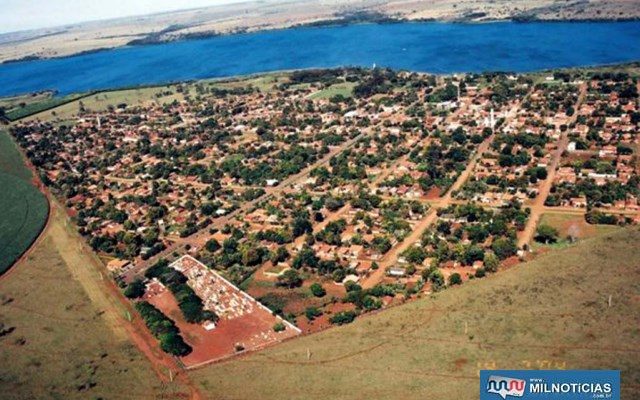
<point x="24" y="207"/>
<point x="25" y="212"/>
<point x="39" y="104"/>
<point x="551" y="313"/>
<point x="10" y="158"/>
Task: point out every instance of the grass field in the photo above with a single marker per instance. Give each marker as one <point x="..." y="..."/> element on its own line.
<point x="57" y="339"/>
<point x="344" y="89"/>
<point x="550" y="313"/>
<point x="571" y="224"/>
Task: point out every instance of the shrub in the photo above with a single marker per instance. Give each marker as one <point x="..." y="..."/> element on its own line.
<point x="290" y="279"/>
<point x="312" y="312"/>
<point x="455" y="279"/>
<point x="135" y="289"/>
<point x="343" y="317"/>
<point x="317" y="290"/>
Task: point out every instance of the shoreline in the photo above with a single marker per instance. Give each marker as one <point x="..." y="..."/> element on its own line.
<point x="242" y="77"/>
<point x="326" y="23"/>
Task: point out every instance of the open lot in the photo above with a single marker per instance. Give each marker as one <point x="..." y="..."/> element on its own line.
<point x="575" y="225"/>
<point x="550" y="313"/>
<point x="56" y="338"/>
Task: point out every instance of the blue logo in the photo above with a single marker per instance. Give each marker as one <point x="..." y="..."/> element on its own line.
<point x="549" y="384"/>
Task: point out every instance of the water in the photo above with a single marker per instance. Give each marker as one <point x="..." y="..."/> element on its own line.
<point x="428" y="47"/>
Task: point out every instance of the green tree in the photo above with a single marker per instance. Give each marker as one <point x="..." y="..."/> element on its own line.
<point x="455" y="279"/>
<point x="546" y="234"/>
<point x="504" y="248"/>
<point x="135" y="289"/>
<point x="437" y="280"/>
<point x="317" y="290"/>
<point x="212" y="245"/>
<point x="312" y="313"/>
<point x="343" y="317"/>
<point x="290" y="278"/>
<point x="491" y="262"/>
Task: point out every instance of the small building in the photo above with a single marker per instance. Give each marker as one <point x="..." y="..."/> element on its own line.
<point x="117" y="265"/>
<point x="397" y="272"/>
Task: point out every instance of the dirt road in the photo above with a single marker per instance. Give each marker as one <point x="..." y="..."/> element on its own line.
<point x="538" y="208"/>
<point x="218" y="223"/>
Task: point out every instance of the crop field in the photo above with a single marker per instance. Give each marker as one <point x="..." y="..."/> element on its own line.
<point x="10" y="158"/>
<point x="24" y="208"/>
<point x="24" y="214"/>
<point x="571" y="309"/>
<point x="40" y="105"/>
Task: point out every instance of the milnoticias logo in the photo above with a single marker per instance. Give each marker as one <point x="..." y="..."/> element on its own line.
<point x="507" y="384"/>
<point x="504" y="387"/>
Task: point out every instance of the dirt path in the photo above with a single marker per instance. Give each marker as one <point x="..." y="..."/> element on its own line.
<point x="538" y="208"/>
<point x="87" y="269"/>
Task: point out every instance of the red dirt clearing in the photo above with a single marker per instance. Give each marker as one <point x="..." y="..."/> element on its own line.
<point x="247" y="330"/>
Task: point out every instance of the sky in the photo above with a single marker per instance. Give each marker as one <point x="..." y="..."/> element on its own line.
<point x="19" y="15"/>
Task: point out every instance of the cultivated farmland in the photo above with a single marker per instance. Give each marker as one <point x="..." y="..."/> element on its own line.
<point x="551" y="313"/>
<point x="24" y="211"/>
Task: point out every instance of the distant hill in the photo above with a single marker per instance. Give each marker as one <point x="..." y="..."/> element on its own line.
<point x="550" y="313"/>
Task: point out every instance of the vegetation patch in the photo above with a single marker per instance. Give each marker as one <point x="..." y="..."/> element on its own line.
<point x="10" y="158"/>
<point x="25" y="212"/>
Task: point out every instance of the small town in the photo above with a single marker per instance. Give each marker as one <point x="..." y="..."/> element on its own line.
<point x="274" y="211"/>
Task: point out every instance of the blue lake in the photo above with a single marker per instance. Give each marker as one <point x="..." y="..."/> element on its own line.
<point x="428" y="47"/>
